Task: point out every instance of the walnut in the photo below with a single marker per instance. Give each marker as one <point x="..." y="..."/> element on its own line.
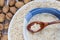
<point x="4" y="37"/>
<point x="6" y="25"/>
<point x="12" y="2"/>
<point x="2" y="17"/>
<point x="2" y="2"/>
<point x="9" y="16"/>
<point x="1" y="26"/>
<point x="13" y="10"/>
<point x="19" y="4"/>
<point x="26" y="1"/>
<point x="5" y="9"/>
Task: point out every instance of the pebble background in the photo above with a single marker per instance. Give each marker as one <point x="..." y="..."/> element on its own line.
<point x="7" y="11"/>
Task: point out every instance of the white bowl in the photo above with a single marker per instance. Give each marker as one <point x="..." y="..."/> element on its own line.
<point x="19" y="13"/>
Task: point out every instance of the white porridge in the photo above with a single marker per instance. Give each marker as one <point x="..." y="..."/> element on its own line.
<point x="35" y="27"/>
<point x="51" y="32"/>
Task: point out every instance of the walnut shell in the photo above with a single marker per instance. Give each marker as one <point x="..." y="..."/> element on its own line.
<point x="2" y="17"/>
<point x="26" y="1"/>
<point x="5" y="9"/>
<point x="6" y="25"/>
<point x="4" y="37"/>
<point x="9" y="16"/>
<point x="1" y="26"/>
<point x="19" y="4"/>
<point x="12" y="2"/>
<point x="13" y="9"/>
<point x="2" y="2"/>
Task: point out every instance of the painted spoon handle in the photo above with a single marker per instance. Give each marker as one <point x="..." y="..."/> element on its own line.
<point x="54" y="22"/>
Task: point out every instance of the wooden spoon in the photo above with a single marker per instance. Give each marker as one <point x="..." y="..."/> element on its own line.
<point x="42" y="25"/>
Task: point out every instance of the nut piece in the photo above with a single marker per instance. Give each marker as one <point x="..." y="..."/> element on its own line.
<point x="12" y="2"/>
<point x="26" y="1"/>
<point x="4" y="37"/>
<point x="19" y="4"/>
<point x="1" y="26"/>
<point x="9" y="16"/>
<point x="2" y="17"/>
<point x="13" y="10"/>
<point x="2" y="3"/>
<point x="5" y="9"/>
<point x="6" y="25"/>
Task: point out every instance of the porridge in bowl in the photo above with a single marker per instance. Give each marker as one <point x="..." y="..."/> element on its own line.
<point x="51" y="32"/>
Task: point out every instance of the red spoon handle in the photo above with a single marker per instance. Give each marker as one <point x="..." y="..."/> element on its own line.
<point x="54" y="22"/>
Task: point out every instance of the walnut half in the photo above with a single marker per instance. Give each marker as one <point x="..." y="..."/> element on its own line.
<point x="2" y="17"/>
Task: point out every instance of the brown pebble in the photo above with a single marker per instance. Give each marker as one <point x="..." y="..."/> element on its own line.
<point x="1" y="26"/>
<point x="13" y="9"/>
<point x="6" y="25"/>
<point x="19" y="4"/>
<point x="26" y="1"/>
<point x="4" y="37"/>
<point x="2" y="17"/>
<point x="12" y="2"/>
<point x="5" y="9"/>
<point x="9" y="16"/>
<point x="2" y="2"/>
